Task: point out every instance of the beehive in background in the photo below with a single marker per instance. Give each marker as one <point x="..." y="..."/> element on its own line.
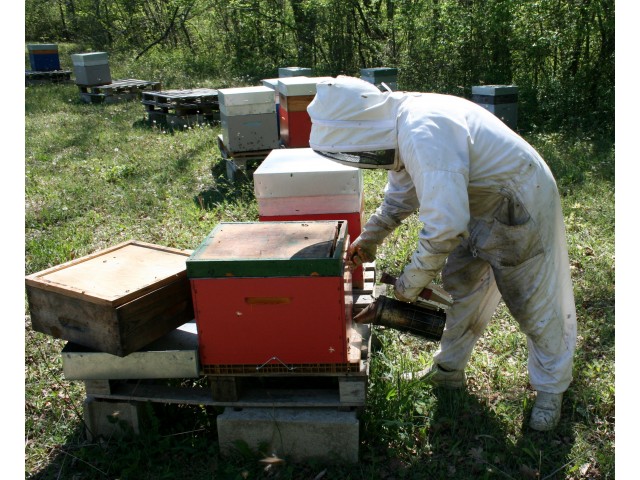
<point x="299" y="184"/>
<point x="44" y="57"/>
<point x="272" y="83"/>
<point x="91" y="68"/>
<point x="248" y="118"/>
<point x="269" y="294"/>
<point x="501" y="100"/>
<point x="296" y="93"/>
<point x="284" y="72"/>
<point x="380" y="75"/>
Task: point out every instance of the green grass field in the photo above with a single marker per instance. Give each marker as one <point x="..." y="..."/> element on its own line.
<point x="97" y="175"/>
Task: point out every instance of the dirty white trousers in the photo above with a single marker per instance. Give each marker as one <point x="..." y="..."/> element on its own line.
<point x="527" y="265"/>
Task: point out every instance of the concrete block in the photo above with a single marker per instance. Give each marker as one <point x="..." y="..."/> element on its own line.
<point x="295" y="434"/>
<point x="109" y="419"/>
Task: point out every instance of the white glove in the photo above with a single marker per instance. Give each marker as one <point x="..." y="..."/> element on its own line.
<point x="404" y="294"/>
<point x="425" y="265"/>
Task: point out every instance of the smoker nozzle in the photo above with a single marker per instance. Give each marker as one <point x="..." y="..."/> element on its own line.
<point x="407" y="317"/>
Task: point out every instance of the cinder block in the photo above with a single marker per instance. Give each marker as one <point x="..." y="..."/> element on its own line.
<point x="295" y="434"/>
<point x="109" y="419"/>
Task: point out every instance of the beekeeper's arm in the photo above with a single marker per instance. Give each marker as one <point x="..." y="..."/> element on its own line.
<point x="439" y="165"/>
<point x="399" y="202"/>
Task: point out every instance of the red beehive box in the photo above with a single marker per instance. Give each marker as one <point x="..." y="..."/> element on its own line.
<point x="272" y="294"/>
<point x="296" y="93"/>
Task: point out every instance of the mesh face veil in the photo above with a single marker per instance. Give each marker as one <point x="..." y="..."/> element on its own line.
<point x="385" y="159"/>
<point x="354" y="123"/>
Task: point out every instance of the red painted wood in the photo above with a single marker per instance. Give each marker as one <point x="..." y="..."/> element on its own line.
<point x="252" y="320"/>
<point x="295" y="128"/>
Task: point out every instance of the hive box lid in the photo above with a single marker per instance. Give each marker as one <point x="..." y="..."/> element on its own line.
<point x="271" y="83"/>
<point x="116" y="275"/>
<point x="299" y="86"/>
<point x="89" y="59"/>
<point x="494" y="90"/>
<point x="297" y="172"/>
<point x="271" y="249"/>
<point x="43" y="46"/>
<point x="294" y="71"/>
<point x="378" y="71"/>
<point x="241" y="96"/>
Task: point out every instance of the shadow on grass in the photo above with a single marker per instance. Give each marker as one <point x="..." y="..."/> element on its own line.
<point x="466" y="439"/>
<point x="228" y="187"/>
<point x="175" y="441"/>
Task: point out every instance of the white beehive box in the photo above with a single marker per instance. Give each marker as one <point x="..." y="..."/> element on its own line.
<point x="300" y="181"/>
<point x="90" y="59"/>
<point x="248" y="118"/>
<point x="294" y="71"/>
<point x="246" y="101"/>
<point x="91" y="68"/>
<point x="299" y="86"/>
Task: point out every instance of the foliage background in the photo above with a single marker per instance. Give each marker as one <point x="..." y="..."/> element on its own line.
<point x="560" y="53"/>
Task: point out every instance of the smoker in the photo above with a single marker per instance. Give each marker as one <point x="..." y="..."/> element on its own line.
<point x="425" y="318"/>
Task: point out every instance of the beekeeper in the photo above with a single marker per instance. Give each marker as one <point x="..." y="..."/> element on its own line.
<point x="491" y="215"/>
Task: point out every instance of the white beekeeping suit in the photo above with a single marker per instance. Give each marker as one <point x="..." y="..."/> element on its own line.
<point x="491" y="214"/>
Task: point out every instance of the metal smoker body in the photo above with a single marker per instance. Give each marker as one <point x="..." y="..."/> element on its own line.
<point x="412" y="318"/>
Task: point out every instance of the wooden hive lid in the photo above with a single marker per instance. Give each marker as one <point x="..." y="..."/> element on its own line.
<point x="270" y="249"/>
<point x="116" y="275"/>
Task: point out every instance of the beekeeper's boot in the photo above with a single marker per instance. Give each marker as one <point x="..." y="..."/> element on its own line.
<point x="546" y="411"/>
<point x="438" y="377"/>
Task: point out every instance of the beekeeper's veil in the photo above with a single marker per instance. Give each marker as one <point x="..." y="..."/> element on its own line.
<point x="354" y="123"/>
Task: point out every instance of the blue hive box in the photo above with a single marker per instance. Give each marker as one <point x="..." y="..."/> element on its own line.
<point x="44" y="57"/>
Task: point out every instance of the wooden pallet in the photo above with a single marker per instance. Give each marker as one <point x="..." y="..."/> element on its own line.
<point x="240" y="162"/>
<point x="343" y="389"/>
<point x="117" y="91"/>
<point x="39" y="78"/>
<point x="347" y="383"/>
<point x="363" y="297"/>
<point x="181" y="108"/>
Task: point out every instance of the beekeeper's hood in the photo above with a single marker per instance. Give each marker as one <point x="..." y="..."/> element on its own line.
<point x="354" y="123"/>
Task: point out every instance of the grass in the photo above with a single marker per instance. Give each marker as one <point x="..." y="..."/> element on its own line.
<point x="96" y="175"/>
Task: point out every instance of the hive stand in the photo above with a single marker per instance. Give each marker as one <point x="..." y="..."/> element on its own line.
<point x="41" y="78"/>
<point x="240" y="163"/>
<point x="181" y="108"/>
<point x="117" y="91"/>
<point x="300" y="416"/>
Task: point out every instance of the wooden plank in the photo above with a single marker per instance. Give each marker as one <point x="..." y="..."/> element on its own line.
<point x="225" y="388"/>
<point x="307" y="398"/>
<point x="247" y="155"/>
<point x="54" y="76"/>
<point x="98" y="387"/>
<point x="296" y="103"/>
<point x="270" y="240"/>
<point x="115" y="275"/>
<point x="353" y="390"/>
